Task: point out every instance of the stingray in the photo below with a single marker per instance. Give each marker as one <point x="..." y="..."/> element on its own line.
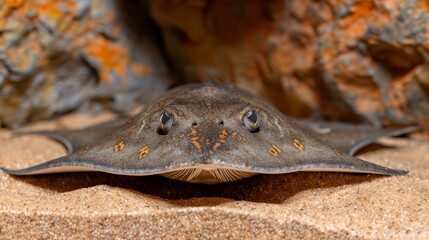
<point x="213" y="133"/>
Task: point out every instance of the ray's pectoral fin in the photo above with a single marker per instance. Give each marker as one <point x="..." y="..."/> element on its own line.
<point x="368" y="138"/>
<point x="76" y="139"/>
<point x="101" y="157"/>
<point x="59" y="165"/>
<point x="119" y="153"/>
<point x="350" y="138"/>
<point x="317" y="156"/>
<point x="307" y="151"/>
<point x="87" y="159"/>
<point x="345" y="163"/>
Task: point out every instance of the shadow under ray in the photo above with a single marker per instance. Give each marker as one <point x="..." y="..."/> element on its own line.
<point x="260" y="188"/>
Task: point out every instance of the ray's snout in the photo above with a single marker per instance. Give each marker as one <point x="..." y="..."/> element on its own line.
<point x="208" y="137"/>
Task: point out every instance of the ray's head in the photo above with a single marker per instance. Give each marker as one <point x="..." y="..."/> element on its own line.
<point x="206" y="110"/>
<point x="209" y="133"/>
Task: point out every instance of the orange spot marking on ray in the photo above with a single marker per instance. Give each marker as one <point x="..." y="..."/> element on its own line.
<point x="298" y="145"/>
<point x="223" y="134"/>
<point x="274" y="150"/>
<point x="337" y="151"/>
<point x="233" y="134"/>
<point x="120" y="146"/>
<point x="84" y="150"/>
<point x="144" y="152"/>
<point x="194" y="141"/>
<point x="216" y="146"/>
<point x="181" y="135"/>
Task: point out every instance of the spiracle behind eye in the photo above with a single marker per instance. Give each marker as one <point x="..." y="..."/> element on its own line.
<point x="252" y="121"/>
<point x="166" y="121"/>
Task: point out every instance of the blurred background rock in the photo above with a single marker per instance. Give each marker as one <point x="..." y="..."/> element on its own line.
<point x="359" y="61"/>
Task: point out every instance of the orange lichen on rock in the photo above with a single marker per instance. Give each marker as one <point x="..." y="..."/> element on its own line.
<point x="14" y="3"/>
<point x="61" y="16"/>
<point x="141" y="69"/>
<point x="110" y="56"/>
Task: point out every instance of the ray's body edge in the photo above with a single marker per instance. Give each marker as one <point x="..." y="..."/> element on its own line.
<point x="65" y="169"/>
<point x="220" y="173"/>
<point x="185" y="173"/>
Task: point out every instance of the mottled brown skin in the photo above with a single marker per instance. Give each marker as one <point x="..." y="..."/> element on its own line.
<point x="208" y="133"/>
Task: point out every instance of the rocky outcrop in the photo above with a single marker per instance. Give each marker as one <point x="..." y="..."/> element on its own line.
<point x="347" y="60"/>
<point x="58" y="55"/>
<point x="360" y="61"/>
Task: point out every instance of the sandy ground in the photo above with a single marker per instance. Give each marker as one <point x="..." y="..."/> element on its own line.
<point x="298" y="205"/>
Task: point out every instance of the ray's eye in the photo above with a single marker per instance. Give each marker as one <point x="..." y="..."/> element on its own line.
<point x="252" y="121"/>
<point x="166" y="121"/>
